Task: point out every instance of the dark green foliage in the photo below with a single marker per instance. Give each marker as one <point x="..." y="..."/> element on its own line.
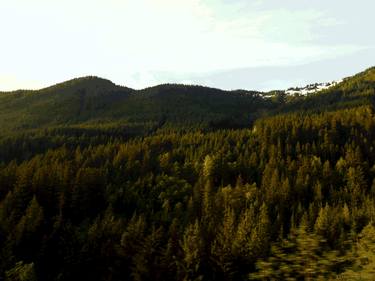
<point x="98" y="103"/>
<point x="168" y="183"/>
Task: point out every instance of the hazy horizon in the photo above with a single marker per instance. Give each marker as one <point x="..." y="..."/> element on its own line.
<point x="227" y="44"/>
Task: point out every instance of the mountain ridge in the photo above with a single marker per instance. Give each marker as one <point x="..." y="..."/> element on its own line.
<point x="368" y="73"/>
<point x="92" y="99"/>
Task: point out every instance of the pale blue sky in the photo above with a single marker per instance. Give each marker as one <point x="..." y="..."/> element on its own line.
<point x="251" y="44"/>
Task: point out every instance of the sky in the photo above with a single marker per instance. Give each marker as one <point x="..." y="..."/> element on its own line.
<point x="229" y="44"/>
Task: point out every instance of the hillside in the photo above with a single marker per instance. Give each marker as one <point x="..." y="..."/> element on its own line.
<point x="92" y="100"/>
<point x="70" y="102"/>
<point x="351" y="92"/>
<point x="175" y="182"/>
<point x="95" y="100"/>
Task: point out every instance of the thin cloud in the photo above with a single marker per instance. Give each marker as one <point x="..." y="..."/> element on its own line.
<point x="131" y="41"/>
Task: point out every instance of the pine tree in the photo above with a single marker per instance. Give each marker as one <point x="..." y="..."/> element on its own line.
<point x="300" y="257"/>
<point x="192" y="246"/>
<point x="222" y="247"/>
<point x="363" y="267"/>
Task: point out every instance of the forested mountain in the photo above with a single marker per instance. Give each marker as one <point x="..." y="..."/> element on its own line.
<point x="65" y="103"/>
<point x="353" y="91"/>
<point x="174" y="182"/>
<point x="92" y="100"/>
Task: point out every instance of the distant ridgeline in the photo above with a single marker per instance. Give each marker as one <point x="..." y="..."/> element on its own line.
<point x="95" y="102"/>
<point x="91" y="101"/>
<point x="177" y="182"/>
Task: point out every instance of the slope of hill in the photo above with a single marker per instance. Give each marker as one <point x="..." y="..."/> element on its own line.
<point x="66" y="103"/>
<point x="352" y="91"/>
<point x="95" y="100"/>
<point x="103" y="182"/>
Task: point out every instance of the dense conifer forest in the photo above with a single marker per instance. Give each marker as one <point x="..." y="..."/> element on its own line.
<point x="177" y="182"/>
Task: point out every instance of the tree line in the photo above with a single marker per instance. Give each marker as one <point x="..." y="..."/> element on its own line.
<point x="291" y="198"/>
